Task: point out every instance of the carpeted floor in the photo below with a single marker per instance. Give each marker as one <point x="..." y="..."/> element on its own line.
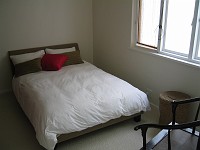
<point x="18" y="134"/>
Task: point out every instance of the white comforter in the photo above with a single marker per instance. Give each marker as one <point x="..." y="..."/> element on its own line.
<point x="74" y="98"/>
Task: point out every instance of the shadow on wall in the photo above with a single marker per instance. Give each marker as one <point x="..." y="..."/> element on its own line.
<point x="6" y="74"/>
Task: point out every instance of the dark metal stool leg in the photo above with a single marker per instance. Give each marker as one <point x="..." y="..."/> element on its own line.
<point x="144" y="131"/>
<point x="198" y="144"/>
<point x="169" y="140"/>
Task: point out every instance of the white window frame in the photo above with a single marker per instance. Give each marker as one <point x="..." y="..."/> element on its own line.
<point x="192" y="57"/>
<point x="197" y="30"/>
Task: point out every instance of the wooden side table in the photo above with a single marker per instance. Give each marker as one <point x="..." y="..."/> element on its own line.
<point x="183" y="112"/>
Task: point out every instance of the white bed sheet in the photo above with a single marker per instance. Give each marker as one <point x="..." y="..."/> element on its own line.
<point x="74" y="98"/>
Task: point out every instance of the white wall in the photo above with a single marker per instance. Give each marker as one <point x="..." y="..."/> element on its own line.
<point x="28" y="23"/>
<point x="112" y="33"/>
<point x="34" y="23"/>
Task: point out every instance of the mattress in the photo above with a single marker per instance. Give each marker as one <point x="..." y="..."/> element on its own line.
<point x="73" y="99"/>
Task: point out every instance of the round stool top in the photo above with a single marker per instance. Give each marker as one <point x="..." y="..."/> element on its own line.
<point x="173" y="95"/>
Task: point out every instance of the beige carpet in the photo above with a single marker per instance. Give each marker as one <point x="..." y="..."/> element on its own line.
<point x="18" y="134"/>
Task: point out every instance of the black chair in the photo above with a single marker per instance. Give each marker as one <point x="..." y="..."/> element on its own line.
<point x="178" y="136"/>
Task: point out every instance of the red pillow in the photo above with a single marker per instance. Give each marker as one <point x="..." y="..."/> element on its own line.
<point x="53" y="62"/>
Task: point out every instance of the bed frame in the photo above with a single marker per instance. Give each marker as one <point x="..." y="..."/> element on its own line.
<point x="64" y="137"/>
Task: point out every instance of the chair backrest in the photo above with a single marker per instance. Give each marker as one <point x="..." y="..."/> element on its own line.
<point x="173" y="125"/>
<point x="175" y="104"/>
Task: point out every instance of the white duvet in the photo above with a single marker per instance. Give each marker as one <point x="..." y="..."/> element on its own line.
<point x="74" y="98"/>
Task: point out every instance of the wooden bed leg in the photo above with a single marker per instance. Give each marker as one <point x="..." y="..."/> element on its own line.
<point x="137" y="118"/>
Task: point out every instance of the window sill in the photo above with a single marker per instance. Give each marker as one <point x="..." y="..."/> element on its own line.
<point x="153" y="52"/>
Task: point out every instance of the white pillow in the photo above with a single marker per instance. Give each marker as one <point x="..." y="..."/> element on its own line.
<point x="59" y="51"/>
<point x="16" y="59"/>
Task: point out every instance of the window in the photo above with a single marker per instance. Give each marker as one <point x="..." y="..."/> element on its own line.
<point x="171" y="27"/>
<point x="148" y="22"/>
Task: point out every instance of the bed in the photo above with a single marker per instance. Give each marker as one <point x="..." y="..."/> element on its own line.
<point x="76" y="99"/>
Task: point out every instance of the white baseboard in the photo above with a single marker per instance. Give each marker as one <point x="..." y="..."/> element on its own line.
<point x="154" y="107"/>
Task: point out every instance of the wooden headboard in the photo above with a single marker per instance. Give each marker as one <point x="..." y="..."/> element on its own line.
<point x="35" y="49"/>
